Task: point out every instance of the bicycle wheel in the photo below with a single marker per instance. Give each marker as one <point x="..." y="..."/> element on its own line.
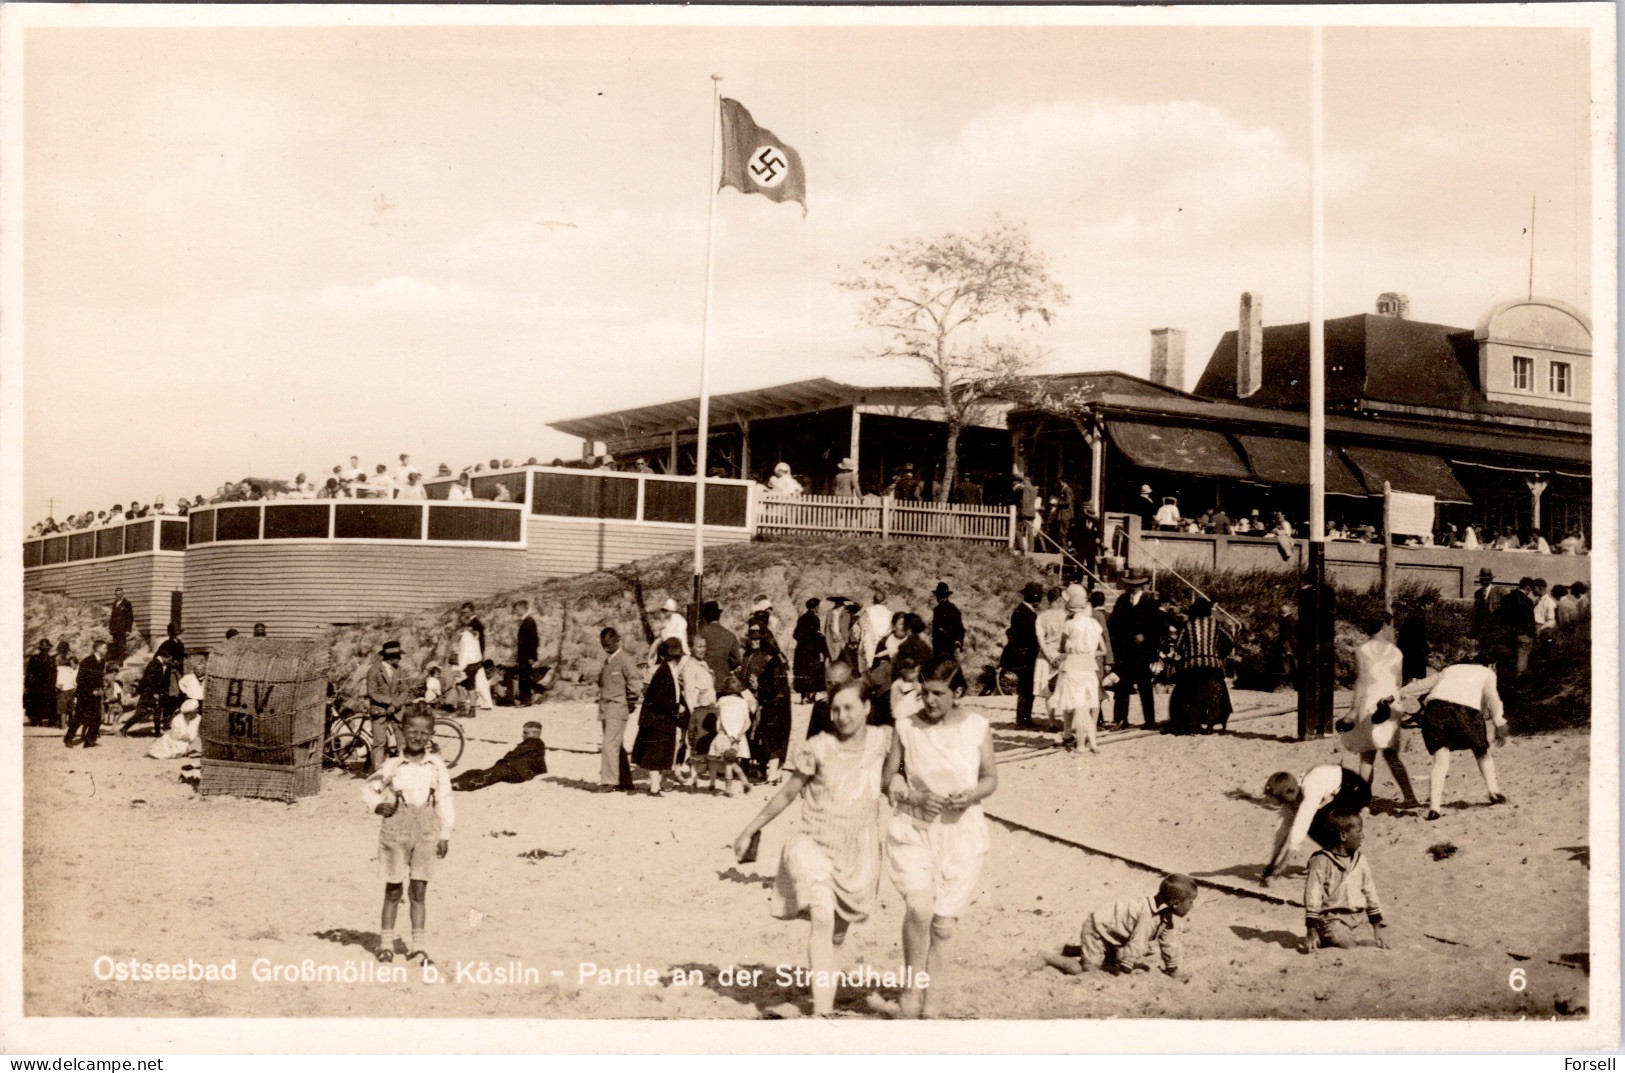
<point x="347" y="744"/>
<point x="448" y="740"/>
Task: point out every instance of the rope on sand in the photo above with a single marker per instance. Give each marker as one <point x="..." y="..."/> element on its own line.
<point x="1223" y="888"/>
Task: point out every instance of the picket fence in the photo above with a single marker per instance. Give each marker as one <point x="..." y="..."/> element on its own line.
<point x="888" y="519"/>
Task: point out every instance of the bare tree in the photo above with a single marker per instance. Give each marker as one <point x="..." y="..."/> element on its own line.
<point x="962" y="306"/>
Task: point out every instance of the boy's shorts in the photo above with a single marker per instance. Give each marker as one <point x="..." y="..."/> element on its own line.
<point x="400" y="861"/>
<point x="408" y="844"/>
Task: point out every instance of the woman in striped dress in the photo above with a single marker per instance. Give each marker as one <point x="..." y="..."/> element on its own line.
<point x="830" y="869"/>
<point x="1200" y="699"/>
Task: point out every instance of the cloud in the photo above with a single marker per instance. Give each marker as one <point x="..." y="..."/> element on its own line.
<point x="402" y="294"/>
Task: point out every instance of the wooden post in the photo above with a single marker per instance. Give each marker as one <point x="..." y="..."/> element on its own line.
<point x="885" y="514"/>
<point x="852" y="446"/>
<point x="744" y="448"/>
<point x="1010" y="526"/>
<point x="671" y="455"/>
<point x="1097" y="471"/>
<point x="1387" y="548"/>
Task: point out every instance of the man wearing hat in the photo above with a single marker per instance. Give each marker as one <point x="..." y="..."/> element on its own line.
<point x="1485" y="602"/>
<point x="721" y="646"/>
<point x="1135" y="626"/>
<point x="1021" y="649"/>
<point x="947" y="625"/>
<point x="846" y="479"/>
<point x="387" y="695"/>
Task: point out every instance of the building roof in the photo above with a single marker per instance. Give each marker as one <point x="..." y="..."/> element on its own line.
<point x="1371" y="359"/>
<point x="800" y="397"/>
<point x="1544" y="447"/>
<point x="810" y="396"/>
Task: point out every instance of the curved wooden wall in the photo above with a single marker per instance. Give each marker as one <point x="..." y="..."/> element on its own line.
<point x="147" y="579"/>
<point x="300" y="588"/>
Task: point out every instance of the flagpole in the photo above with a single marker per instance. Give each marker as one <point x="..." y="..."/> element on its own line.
<point x="704" y="428"/>
<point x="1315" y="697"/>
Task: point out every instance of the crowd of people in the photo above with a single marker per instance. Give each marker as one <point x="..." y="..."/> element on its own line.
<point x="708" y="704"/>
<point x="353" y="481"/>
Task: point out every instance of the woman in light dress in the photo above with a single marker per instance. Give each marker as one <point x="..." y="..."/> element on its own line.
<point x="829" y="871"/>
<point x="1076" y="698"/>
<point x="1372" y="723"/>
<point x="940" y="769"/>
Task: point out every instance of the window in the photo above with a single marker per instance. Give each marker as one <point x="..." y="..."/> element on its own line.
<point x="1523" y="373"/>
<point x="1561" y="383"/>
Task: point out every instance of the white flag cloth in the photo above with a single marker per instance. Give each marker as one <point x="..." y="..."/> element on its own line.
<point x="1409" y="514"/>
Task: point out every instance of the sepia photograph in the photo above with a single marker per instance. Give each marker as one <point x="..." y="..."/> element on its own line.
<point x="769" y="525"/>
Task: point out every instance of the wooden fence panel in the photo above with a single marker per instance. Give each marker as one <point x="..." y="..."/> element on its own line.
<point x="888" y="519"/>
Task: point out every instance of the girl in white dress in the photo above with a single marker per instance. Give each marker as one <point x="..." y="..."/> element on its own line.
<point x="1077" y="688"/>
<point x="1372" y="723"/>
<point x="829" y="871"/>
<point x="939" y="770"/>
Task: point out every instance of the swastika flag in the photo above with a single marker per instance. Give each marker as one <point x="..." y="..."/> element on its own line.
<point x="756" y="162"/>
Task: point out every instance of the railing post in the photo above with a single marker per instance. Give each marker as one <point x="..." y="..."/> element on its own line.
<point x="1010" y="526"/>
<point x="423" y="522"/>
<point x="885" y="518"/>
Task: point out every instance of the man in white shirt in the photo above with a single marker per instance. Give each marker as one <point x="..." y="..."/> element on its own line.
<point x="355" y="471"/>
<point x="1463" y="699"/>
<point x="381" y="483"/>
<point x="1167" y="516"/>
<point x="1545" y="608"/>
<point x="874" y="623"/>
<point x="405" y="470"/>
<point x="413" y="488"/>
<point x="459" y="492"/>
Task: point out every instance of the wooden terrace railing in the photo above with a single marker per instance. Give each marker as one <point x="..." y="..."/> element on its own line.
<point x="888" y="519"/>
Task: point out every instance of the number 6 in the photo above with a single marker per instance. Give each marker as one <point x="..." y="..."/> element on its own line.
<point x="1517" y="981"/>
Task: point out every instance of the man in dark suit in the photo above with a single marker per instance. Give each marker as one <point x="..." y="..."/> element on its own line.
<point x="947" y="625"/>
<point x="1021" y="649"/>
<point x="1516" y="617"/>
<point x="527" y="647"/>
<point x="1485" y="627"/>
<point x="522" y="763"/>
<point x="87" y="697"/>
<point x="39" y="685"/>
<point x="1135" y="626"/>
<point x="120" y="621"/>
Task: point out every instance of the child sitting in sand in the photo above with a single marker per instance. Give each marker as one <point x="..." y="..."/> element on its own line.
<point x="735" y="709"/>
<point x="829" y="871"/>
<point x="1121" y="939"/>
<point x="412" y="792"/>
<point x="1340" y="906"/>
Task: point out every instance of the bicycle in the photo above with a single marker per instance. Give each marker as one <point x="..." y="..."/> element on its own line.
<point x="348" y="742"/>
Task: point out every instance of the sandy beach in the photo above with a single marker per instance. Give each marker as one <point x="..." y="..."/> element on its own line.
<point x="549" y="889"/>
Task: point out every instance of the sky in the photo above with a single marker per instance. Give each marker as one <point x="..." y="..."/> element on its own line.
<point x="258" y="251"/>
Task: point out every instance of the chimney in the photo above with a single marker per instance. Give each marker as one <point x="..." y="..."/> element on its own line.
<point x="1393" y="304"/>
<point x="1250" y="346"/>
<point x="1168" y="357"/>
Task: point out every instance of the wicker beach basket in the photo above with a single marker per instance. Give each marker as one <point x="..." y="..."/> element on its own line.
<point x="264" y="713"/>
